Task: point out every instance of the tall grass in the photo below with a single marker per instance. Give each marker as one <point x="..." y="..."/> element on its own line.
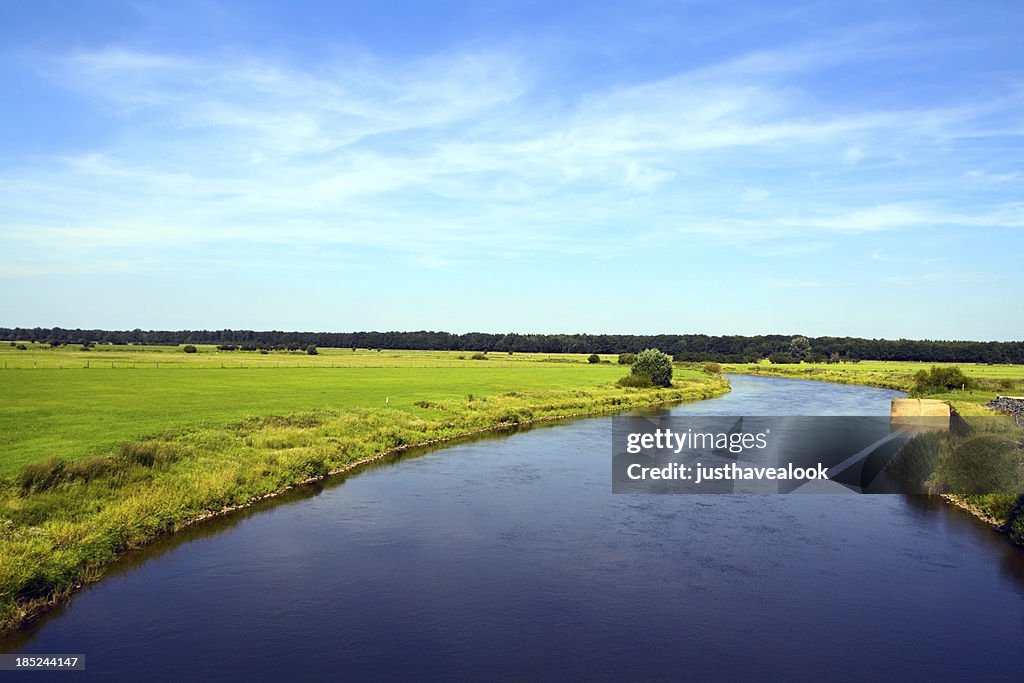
<point x="979" y="465"/>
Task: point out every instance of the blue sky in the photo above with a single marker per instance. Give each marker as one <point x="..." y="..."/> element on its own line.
<point x="644" y="167"/>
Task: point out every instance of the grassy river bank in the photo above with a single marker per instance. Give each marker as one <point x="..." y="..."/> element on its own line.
<point x="1003" y="511"/>
<point x="99" y="461"/>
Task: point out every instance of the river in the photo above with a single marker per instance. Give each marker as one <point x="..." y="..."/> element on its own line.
<point x="509" y="558"/>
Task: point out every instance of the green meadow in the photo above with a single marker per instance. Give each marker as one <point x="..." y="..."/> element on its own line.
<point x="41" y="356"/>
<point x="79" y="412"/>
<point x="98" y="459"/>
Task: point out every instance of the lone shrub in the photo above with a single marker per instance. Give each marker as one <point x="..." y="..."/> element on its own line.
<point x="627" y="358"/>
<point x="311" y="350"/>
<point x="479" y="356"/>
<point x="189" y="348"/>
<point x="712" y="368"/>
<point x="655" y="365"/>
<point x="939" y="380"/>
<point x="594" y="358"/>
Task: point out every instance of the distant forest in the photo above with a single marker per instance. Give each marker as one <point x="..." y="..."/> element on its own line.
<point x="685" y="347"/>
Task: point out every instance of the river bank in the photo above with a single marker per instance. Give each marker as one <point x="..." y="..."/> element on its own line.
<point x="864" y="378"/>
<point x="1004" y="513"/>
<point x="64" y="522"/>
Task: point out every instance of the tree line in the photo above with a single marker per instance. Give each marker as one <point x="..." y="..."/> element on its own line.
<point x="684" y="347"/>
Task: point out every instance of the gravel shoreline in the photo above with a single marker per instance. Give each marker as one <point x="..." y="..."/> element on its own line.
<point x="1010" y="406"/>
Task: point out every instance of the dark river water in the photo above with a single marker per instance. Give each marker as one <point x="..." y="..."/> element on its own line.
<point x="510" y="558"/>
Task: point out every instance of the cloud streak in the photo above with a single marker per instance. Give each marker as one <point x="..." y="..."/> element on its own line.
<point x="450" y="155"/>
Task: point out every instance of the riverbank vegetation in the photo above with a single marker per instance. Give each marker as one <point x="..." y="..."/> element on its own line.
<point x="98" y="460"/>
<point x="978" y="464"/>
<point x="942" y="463"/>
<point x="966" y="386"/>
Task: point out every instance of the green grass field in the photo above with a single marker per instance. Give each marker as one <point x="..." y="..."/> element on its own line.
<point x="96" y="459"/>
<point x="41" y="356"/>
<point x="78" y="413"/>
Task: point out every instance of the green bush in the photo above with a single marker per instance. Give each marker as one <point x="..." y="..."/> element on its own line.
<point x="189" y="348"/>
<point x="479" y="356"/>
<point x="780" y="358"/>
<point x="939" y="380"/>
<point x="712" y="368"/>
<point x="655" y="365"/>
<point x="594" y="358"/>
<point x="638" y="381"/>
<point x="1015" y="523"/>
<point x="311" y="350"/>
<point x="627" y="358"/>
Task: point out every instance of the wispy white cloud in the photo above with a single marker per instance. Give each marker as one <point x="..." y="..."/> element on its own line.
<point x="975" y="174"/>
<point x="462" y="152"/>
